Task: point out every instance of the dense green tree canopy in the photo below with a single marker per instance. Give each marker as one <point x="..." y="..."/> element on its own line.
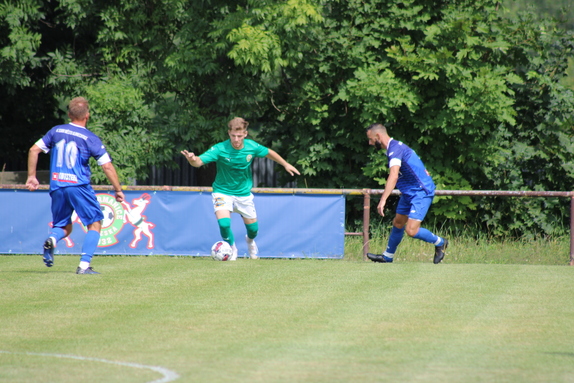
<point x="476" y="92"/>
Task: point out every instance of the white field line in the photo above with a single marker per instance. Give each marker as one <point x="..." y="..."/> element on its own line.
<point x="168" y="375"/>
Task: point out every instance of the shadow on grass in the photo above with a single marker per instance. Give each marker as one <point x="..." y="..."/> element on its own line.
<point x="557" y="353"/>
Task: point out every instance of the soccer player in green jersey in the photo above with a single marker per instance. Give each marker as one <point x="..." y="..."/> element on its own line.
<point x="234" y="180"/>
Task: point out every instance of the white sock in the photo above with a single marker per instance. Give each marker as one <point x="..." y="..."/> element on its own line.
<point x="84" y="265"/>
<point x="388" y="255"/>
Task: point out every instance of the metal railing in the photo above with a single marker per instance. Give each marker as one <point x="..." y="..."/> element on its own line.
<point x="366" y="193"/>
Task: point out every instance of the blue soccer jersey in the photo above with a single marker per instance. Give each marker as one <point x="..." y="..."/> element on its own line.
<point x="413" y="175"/>
<point x="71" y="147"/>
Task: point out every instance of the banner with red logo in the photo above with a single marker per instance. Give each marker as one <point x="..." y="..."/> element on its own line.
<point x="179" y="223"/>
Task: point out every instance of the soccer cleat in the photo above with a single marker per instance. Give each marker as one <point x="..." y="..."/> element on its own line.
<point x="233" y="254"/>
<point x="89" y="270"/>
<point x="379" y="258"/>
<point x="252" y="248"/>
<point x="439" y="252"/>
<point x="49" y="246"/>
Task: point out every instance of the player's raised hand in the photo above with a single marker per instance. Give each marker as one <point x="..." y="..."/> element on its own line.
<point x="292" y="170"/>
<point x="188" y="155"/>
<point x="192" y="158"/>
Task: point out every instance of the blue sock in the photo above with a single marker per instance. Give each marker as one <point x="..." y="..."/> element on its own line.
<point x="90" y="244"/>
<point x="394" y="240"/>
<point x="58" y="233"/>
<point x="427" y="236"/>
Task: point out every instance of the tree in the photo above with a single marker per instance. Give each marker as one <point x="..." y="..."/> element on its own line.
<point x="52" y="52"/>
<point x="451" y="81"/>
<point x="24" y="102"/>
<point x="477" y="95"/>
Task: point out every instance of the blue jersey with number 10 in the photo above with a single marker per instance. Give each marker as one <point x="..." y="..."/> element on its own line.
<point x="71" y="147"/>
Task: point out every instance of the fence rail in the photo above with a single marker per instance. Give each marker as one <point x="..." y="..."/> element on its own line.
<point x="366" y="193"/>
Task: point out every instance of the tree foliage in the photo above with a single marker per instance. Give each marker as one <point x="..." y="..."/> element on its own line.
<point x="476" y="93"/>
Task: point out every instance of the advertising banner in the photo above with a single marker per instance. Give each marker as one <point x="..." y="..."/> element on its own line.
<point x="179" y="223"/>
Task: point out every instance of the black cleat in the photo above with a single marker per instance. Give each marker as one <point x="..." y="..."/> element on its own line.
<point x="89" y="270"/>
<point x="379" y="258"/>
<point x="439" y="252"/>
<point x="49" y="246"/>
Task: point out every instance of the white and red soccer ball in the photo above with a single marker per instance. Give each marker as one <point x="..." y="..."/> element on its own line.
<point x="221" y="251"/>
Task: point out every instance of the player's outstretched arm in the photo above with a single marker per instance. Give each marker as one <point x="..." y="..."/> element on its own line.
<point x="193" y="160"/>
<point x="273" y="155"/>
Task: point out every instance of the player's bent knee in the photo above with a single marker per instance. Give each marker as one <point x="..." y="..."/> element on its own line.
<point x="224" y="223"/>
<point x="252" y="229"/>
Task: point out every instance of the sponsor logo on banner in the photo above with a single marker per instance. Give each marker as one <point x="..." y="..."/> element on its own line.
<point x="114" y="220"/>
<point x="134" y="215"/>
<point x="116" y="215"/>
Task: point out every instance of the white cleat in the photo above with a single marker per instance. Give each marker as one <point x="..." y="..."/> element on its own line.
<point x="234" y="253"/>
<point x="252" y="248"/>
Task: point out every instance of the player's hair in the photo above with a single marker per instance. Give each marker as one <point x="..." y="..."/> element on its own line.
<point x="238" y="123"/>
<point x="377" y="127"/>
<point x="78" y="108"/>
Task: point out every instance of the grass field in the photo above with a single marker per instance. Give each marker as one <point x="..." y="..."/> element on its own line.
<point x="466" y="249"/>
<point x="182" y="319"/>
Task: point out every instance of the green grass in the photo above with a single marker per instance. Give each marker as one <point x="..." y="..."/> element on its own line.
<point x="285" y="321"/>
<point x="466" y="249"/>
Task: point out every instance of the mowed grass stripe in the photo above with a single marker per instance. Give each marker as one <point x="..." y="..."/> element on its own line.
<point x="294" y="320"/>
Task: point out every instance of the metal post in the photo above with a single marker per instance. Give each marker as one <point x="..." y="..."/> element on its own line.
<point x="366" y="221"/>
<point x="572" y="231"/>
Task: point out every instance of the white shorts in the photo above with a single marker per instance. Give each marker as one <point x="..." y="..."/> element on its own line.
<point x="241" y="205"/>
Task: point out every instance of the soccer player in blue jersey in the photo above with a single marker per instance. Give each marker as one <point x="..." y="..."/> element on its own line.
<point x="408" y="174"/>
<point x="70" y="147"/>
<point x="234" y="180"/>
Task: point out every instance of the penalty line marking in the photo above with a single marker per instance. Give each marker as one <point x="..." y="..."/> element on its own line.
<point x="168" y="375"/>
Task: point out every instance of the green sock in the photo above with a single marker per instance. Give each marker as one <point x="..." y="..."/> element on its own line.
<point x="225" y="230"/>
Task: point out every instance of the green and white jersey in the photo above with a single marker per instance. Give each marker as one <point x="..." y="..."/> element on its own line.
<point x="234" y="175"/>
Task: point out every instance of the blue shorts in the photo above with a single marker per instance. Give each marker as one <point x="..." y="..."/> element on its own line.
<point x="82" y="199"/>
<point x="415" y="206"/>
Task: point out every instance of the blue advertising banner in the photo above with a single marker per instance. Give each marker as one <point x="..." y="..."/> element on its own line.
<point x="179" y="223"/>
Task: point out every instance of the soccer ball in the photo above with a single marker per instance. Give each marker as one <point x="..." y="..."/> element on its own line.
<point x="221" y="251"/>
